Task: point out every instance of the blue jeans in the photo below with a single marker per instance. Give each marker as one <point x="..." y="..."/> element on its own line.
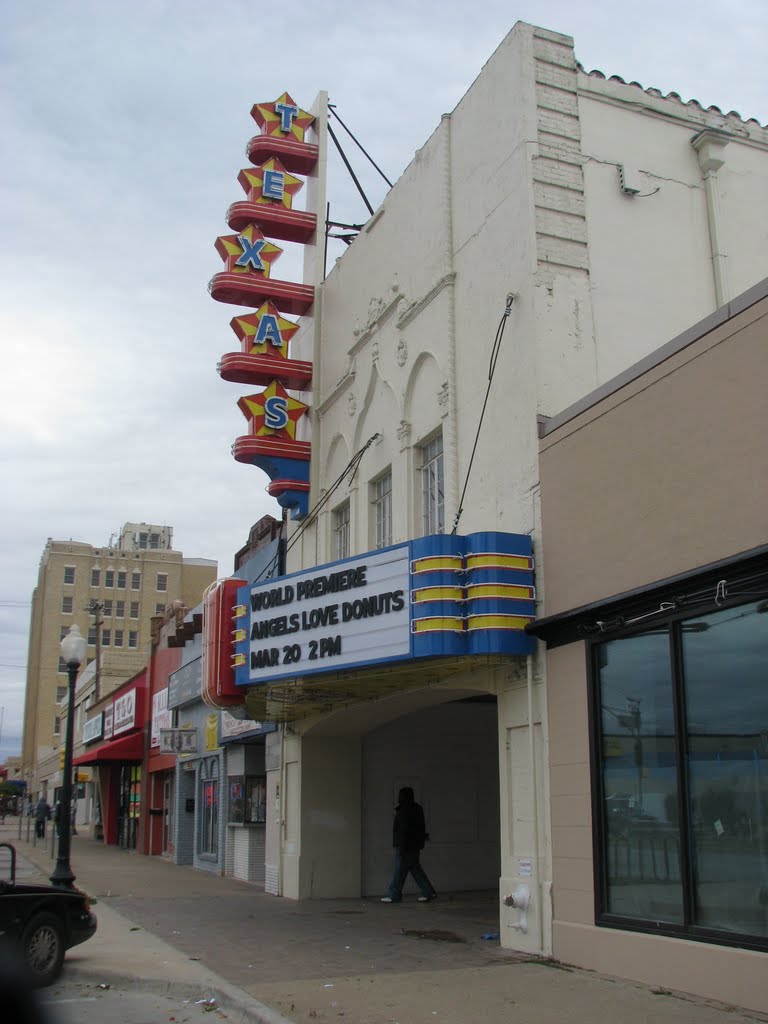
<point x="406" y="861"/>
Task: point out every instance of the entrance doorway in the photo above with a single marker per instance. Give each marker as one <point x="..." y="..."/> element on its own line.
<point x="129" y="806"/>
<point x="168" y="816"/>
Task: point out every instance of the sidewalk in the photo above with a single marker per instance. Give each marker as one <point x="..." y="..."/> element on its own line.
<point x="273" y="960"/>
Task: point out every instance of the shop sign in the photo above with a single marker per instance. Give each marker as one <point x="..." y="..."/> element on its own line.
<point x="161" y="716"/>
<point x="93" y="728"/>
<point x="347" y="613"/>
<point x="178" y="741"/>
<point x="185" y="684"/>
<point x="438" y="596"/>
<point x="124" y="712"/>
<point x="211" y="732"/>
<point x="108" y="722"/>
<point x="231" y="727"/>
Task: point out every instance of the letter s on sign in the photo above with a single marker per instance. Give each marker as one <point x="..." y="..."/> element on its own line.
<point x="275" y="412"/>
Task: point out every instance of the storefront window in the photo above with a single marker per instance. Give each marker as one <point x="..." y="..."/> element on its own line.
<point x="683" y="764"/>
<point x="247" y="799"/>
<point x="209" y="801"/>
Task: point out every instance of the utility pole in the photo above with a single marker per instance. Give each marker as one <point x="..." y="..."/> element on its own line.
<point x="95" y="608"/>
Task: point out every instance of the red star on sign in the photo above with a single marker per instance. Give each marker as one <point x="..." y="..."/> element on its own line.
<point x="248" y="252"/>
<point x="282" y="118"/>
<point x="264" y="332"/>
<point x="273" y="412"/>
<point x="270" y="183"/>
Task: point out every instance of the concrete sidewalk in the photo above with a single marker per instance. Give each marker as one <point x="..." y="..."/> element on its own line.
<point x="268" y="959"/>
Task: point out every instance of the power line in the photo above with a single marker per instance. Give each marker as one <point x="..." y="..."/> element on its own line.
<point x="491" y="370"/>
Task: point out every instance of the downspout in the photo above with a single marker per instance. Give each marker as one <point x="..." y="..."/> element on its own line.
<point x="539" y="888"/>
<point x="709" y="146"/>
<point x="451" y="444"/>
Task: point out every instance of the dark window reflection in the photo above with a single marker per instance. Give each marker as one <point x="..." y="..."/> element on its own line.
<point x="723" y="686"/>
<point x="640" y="779"/>
<point x="726" y="684"/>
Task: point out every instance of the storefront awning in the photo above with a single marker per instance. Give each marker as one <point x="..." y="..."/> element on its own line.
<point x="126" y="748"/>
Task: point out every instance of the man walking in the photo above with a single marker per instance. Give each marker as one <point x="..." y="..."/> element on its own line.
<point x="42" y="814"/>
<point x="408" y="837"/>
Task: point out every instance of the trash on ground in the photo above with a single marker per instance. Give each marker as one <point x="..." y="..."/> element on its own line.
<point x="490" y="935"/>
<point x="328" y="986"/>
<point x="102" y="985"/>
<point x="135" y="928"/>
<point x="436" y="934"/>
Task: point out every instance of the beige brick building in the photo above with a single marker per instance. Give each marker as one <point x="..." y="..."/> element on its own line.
<point x="111" y="593"/>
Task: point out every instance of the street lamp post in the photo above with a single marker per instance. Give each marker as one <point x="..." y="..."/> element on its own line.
<point x="73" y="648"/>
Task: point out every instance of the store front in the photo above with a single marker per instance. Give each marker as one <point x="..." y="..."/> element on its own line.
<point x="657" y="642"/>
<point x="119" y="722"/>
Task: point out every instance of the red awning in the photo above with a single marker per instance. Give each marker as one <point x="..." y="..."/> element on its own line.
<point x="126" y="748"/>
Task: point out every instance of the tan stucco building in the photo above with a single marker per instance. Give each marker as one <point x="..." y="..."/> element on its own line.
<point x="654" y="491"/>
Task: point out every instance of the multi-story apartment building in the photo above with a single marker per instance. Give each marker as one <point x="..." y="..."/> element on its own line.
<point x="111" y="593"/>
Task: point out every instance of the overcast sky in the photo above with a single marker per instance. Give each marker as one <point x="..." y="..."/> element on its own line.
<point x="123" y="130"/>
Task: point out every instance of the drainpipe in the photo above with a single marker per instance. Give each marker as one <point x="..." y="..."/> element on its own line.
<point x="710" y="145"/>
<point x="538" y="887"/>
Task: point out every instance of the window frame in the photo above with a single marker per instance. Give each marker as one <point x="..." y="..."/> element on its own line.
<point x="688" y="929"/>
<point x="381" y="503"/>
<point x="341" y="527"/>
<point x="67" y="604"/>
<point x="69" y="571"/>
<point x="432" y="507"/>
<point x="164" y="588"/>
<point x="135" y="579"/>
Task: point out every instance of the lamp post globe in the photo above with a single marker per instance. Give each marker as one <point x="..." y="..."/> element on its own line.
<point x="73" y="650"/>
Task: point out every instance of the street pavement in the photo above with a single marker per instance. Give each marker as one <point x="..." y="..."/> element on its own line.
<point x="192" y="935"/>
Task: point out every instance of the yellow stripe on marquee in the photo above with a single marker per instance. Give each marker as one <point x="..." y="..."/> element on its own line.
<point x="495" y="560"/>
<point x="438" y="594"/>
<point x="239" y="611"/>
<point x="239" y="635"/>
<point x="445" y="623"/>
<point x="239" y="659"/>
<point x="437" y="562"/>
<point x="500" y="590"/>
<point x="498" y="621"/>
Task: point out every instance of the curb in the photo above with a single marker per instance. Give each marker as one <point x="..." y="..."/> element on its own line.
<point x="227" y="996"/>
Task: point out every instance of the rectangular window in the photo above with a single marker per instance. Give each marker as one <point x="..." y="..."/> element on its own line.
<point x="69" y="574"/>
<point x="159" y="608"/>
<point x="154" y="540"/>
<point x="135" y="581"/>
<point x="341" y="531"/>
<point x="162" y="581"/>
<point x="91" y="635"/>
<point x="62" y="665"/>
<point x="382" y="510"/>
<point x="107" y="609"/>
<point x="95" y="577"/>
<point x="61" y="693"/>
<point x="133" y="638"/>
<point x="209" y="818"/>
<point x="432" y="487"/>
<point x="57" y="726"/>
<point x="63" y="630"/>
<point x="134" y="609"/>
<point x="120" y="609"/>
<point x="109" y="578"/>
<point x="682" y="751"/>
<point x="122" y="579"/>
<point x="67" y="605"/>
<point x="118" y="638"/>
<point x="142" y="540"/>
<point x="106" y="637"/>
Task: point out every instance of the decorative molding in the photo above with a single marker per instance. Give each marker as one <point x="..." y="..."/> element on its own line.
<point x="374" y="351"/>
<point x="351" y="403"/>
<point x="345" y="382"/>
<point x="403" y="432"/>
<point x="412" y="310"/>
<point x="401" y="356"/>
<point x="442" y="398"/>
<point x="379" y="309"/>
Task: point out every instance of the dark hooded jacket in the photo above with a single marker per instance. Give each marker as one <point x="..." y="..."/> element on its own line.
<point x="408" y="830"/>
